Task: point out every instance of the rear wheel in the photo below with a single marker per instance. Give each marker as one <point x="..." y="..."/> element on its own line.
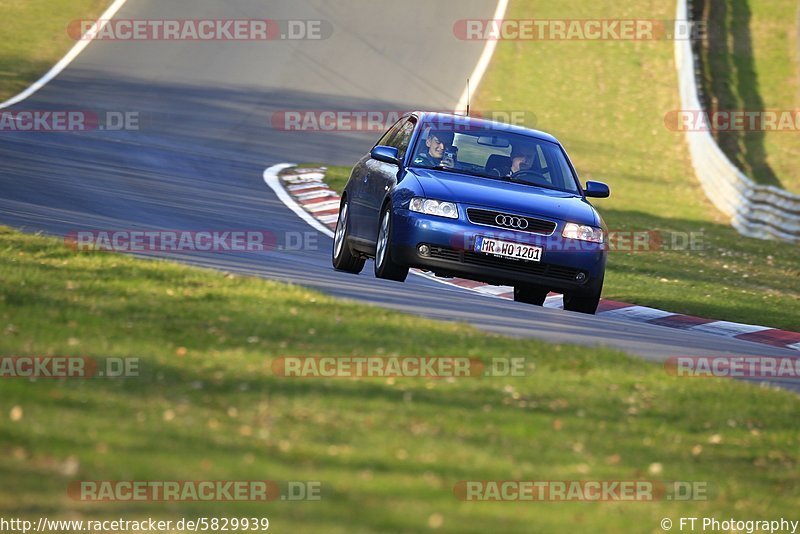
<point x="343" y="257"/>
<point x="385" y="267"/>
<point x="584" y="303"/>
<point x="530" y="294"/>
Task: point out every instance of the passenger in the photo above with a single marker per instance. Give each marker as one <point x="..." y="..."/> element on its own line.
<point x="435" y="145"/>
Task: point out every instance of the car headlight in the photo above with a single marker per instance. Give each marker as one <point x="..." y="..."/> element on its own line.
<point x="434" y="207"/>
<point x="582" y="232"/>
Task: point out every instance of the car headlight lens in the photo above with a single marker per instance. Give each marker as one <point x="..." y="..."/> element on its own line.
<point x="434" y="207"/>
<point x="582" y="232"/>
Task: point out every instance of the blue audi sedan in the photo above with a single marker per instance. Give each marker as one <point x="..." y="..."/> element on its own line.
<point x="467" y="197"/>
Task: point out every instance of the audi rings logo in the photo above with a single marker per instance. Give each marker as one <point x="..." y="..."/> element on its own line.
<point x="511" y="222"/>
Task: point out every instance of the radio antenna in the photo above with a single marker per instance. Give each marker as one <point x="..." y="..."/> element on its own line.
<point x="467" y="97"/>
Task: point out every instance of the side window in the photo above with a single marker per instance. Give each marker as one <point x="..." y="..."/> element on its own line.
<point x="385" y="140"/>
<point x="403" y="137"/>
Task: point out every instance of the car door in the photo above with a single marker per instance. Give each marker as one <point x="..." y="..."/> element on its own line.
<point x="384" y="177"/>
<point x="364" y="169"/>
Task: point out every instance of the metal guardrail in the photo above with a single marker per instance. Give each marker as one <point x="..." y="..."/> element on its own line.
<point x="760" y="211"/>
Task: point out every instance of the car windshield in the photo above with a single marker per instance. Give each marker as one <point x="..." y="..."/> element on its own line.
<point x="494" y="153"/>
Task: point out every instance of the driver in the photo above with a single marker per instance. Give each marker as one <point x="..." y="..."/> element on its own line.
<point x="522" y="156"/>
<point x="435" y="145"/>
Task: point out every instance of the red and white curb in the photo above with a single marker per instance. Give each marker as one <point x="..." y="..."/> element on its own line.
<point x="304" y="191"/>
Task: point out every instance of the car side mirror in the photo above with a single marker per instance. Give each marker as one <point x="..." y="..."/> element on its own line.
<point x="596" y="190"/>
<point x="386" y="154"/>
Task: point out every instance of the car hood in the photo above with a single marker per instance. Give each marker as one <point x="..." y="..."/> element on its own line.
<point x="502" y="195"/>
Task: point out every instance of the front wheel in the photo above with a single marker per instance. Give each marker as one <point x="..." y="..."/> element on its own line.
<point x="343" y="257"/>
<point x="581" y="304"/>
<point x="530" y="294"/>
<point x="385" y="267"/>
<point x="584" y="303"/>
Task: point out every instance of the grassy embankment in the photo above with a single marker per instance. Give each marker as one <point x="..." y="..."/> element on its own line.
<point x="388" y="452"/>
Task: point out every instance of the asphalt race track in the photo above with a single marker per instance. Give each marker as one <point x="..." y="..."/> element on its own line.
<point x="205" y="139"/>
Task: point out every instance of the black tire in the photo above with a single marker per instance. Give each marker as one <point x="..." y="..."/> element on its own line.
<point x="581" y="304"/>
<point x="584" y="303"/>
<point x="385" y="267"/>
<point x="342" y="257"/>
<point x="530" y="294"/>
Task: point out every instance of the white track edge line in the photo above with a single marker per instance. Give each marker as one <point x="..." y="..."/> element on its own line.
<point x="483" y="61"/>
<point x="67" y="59"/>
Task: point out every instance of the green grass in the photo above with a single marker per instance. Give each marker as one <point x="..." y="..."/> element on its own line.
<point x="388" y="453"/>
<point x="335" y="176"/>
<point x="35" y="37"/>
<point x="751" y="62"/>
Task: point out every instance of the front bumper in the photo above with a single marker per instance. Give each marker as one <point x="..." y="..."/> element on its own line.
<point x="575" y="268"/>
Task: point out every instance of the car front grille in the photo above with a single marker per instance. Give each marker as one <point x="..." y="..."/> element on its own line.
<point x="489" y="218"/>
<point x="520" y="266"/>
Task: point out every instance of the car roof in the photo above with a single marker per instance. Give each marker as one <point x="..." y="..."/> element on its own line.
<point x="425" y="116"/>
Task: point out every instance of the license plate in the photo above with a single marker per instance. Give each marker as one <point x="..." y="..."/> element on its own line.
<point x="507" y="249"/>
